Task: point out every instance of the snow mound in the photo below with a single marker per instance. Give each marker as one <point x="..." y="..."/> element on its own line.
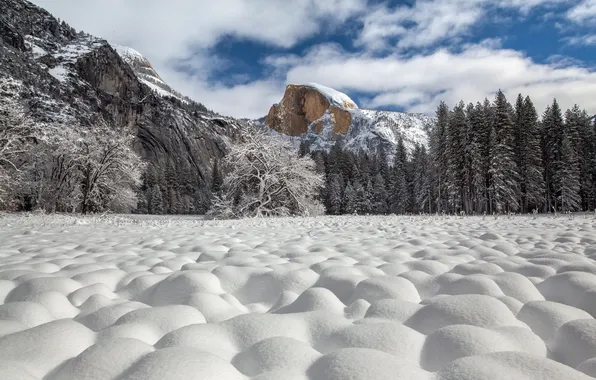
<point x="104" y="361"/>
<point x="457" y="341"/>
<point x="41" y="349"/>
<point x="476" y="310"/>
<point x="275" y="354"/>
<point x="575" y="342"/>
<point x="364" y="364"/>
<point x="545" y="318"/>
<point x="437" y="298"/>
<point x="508" y="365"/>
<point x="335" y="97"/>
<point x="183" y="364"/>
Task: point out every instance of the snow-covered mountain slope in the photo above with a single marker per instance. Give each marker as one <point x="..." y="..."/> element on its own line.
<point x="372" y="129"/>
<point x="321" y="116"/>
<point x="73" y="79"/>
<point x="146" y="73"/>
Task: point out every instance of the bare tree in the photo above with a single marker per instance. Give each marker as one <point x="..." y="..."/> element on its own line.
<point x="110" y="169"/>
<point x="265" y="177"/>
<point x="17" y="134"/>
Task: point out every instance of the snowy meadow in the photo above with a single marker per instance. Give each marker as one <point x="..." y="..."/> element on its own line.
<point x="325" y="298"/>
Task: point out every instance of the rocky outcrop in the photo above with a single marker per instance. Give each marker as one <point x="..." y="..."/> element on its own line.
<point x="73" y="78"/>
<point x="304" y="106"/>
<point x="318" y="117"/>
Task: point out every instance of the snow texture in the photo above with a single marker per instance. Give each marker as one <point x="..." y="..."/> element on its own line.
<point x="387" y="297"/>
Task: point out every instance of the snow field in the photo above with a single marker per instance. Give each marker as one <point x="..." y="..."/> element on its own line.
<point x="312" y="299"/>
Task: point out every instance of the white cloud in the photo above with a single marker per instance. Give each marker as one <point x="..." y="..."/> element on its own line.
<point x="167" y="32"/>
<point x="181" y="32"/>
<point x="428" y="22"/>
<point x="419" y="82"/>
<point x="585" y="40"/>
<point x="583" y="12"/>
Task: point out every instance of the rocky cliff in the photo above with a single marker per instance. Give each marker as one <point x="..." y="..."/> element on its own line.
<point x="305" y="106"/>
<point x="73" y="78"/>
<point x="320" y="116"/>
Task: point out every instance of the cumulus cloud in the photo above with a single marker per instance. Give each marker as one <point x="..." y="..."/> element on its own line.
<point x="178" y="34"/>
<point x="428" y="22"/>
<point x="585" y="40"/>
<point x="418" y="83"/>
<point x="410" y="56"/>
<point x="583" y="12"/>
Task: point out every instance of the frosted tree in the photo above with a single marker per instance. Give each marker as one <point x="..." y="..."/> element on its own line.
<point x="350" y="201"/>
<point x="364" y="197"/>
<point x="379" y="195"/>
<point x="503" y="170"/>
<point x="265" y="177"/>
<point x="528" y="155"/>
<point x="421" y="183"/>
<point x="567" y="180"/>
<point x="439" y="149"/>
<point x="110" y="169"/>
<point x="334" y="193"/>
<point x="216" y="178"/>
<point x="17" y="135"/>
<point x="587" y="157"/>
<point x="551" y="143"/>
<point x="456" y="155"/>
<point x="155" y="200"/>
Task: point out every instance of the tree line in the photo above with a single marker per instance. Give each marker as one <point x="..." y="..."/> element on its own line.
<point x="488" y="157"/>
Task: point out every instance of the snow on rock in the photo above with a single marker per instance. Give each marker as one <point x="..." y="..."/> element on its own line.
<point x="335" y="97"/>
<point x="436" y="298"/>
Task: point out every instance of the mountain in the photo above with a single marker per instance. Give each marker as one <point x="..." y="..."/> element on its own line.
<point x="147" y="74"/>
<point x="72" y="79"/>
<point x="320" y="116"/>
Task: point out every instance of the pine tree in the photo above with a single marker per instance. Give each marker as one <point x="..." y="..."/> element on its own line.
<point x="587" y="158"/>
<point x="478" y="160"/>
<point x="398" y="197"/>
<point x="551" y="142"/>
<point x="379" y="195"/>
<point x="456" y="157"/>
<point x="142" y="206"/>
<point x="440" y="156"/>
<point x="156" y="201"/>
<point x="363" y="201"/>
<point x="568" y="185"/>
<point x="528" y="155"/>
<point x="421" y="181"/>
<point x="334" y="194"/>
<point x="217" y="178"/>
<point x="503" y="170"/>
<point x="350" y="201"/>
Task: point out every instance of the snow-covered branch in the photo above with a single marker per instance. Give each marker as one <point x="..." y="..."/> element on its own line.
<point x="267" y="178"/>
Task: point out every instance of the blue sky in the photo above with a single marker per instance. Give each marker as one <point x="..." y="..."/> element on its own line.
<point x="236" y="56"/>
